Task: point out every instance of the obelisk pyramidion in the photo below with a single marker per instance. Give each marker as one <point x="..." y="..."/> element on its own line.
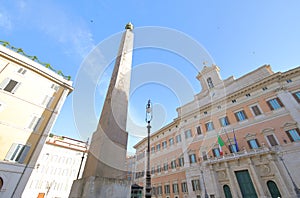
<point x="104" y="171"/>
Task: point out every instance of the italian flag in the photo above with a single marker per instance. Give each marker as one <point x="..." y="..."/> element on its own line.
<point x="221" y="143"/>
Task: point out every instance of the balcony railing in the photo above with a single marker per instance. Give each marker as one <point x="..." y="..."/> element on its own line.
<point x="242" y="154"/>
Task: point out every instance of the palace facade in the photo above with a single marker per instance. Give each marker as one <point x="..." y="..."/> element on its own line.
<point x="237" y="138"/>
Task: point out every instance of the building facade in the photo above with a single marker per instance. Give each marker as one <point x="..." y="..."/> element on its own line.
<point x="61" y="162"/>
<point x="31" y="96"/>
<point x="237" y="138"/>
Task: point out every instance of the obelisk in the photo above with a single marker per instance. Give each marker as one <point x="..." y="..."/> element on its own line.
<point x="104" y="173"/>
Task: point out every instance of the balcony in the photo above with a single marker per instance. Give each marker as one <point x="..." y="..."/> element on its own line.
<point x="240" y="155"/>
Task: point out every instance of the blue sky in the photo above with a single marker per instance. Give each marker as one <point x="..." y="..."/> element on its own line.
<point x="240" y="36"/>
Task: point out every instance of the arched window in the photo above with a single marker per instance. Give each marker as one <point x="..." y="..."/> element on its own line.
<point x="227" y="191"/>
<point x="1" y="183"/>
<point x="210" y="83"/>
<point x="274" y="191"/>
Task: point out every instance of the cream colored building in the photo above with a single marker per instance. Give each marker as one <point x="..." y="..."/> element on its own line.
<point x="31" y="96"/>
<point x="259" y="110"/>
<point x="61" y="161"/>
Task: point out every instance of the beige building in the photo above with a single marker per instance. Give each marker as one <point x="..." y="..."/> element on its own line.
<point x="61" y="161"/>
<point x="257" y="117"/>
<point x="31" y="96"/>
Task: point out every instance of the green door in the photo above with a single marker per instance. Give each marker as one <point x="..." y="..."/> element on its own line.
<point x="245" y="183"/>
<point x="273" y="189"/>
<point x="227" y="191"/>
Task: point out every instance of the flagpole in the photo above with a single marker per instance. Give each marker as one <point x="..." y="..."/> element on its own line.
<point x="230" y="149"/>
<point x="235" y="141"/>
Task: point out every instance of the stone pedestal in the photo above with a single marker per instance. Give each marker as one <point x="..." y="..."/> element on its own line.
<point x="99" y="187"/>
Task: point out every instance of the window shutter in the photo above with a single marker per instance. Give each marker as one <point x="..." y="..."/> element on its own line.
<point x="15" y="88"/>
<point x="33" y="122"/>
<point x="289" y="135"/>
<point x="279" y="102"/>
<point x="249" y="144"/>
<point x="23" y="154"/>
<point x="245" y="114"/>
<point x="11" y="151"/>
<point x="38" y="123"/>
<point x="296" y="96"/>
<point x="4" y="83"/>
<point x="236" y="116"/>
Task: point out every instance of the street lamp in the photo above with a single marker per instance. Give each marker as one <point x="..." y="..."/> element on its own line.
<point x="205" y="192"/>
<point x="296" y="189"/>
<point x="148" y="176"/>
<point x="82" y="158"/>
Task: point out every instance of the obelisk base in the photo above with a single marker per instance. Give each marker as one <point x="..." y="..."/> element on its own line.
<point x="100" y="187"/>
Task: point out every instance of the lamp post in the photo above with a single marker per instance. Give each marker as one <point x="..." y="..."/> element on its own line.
<point x="205" y="192"/>
<point x="296" y="189"/>
<point x="148" y="176"/>
<point x="82" y="158"/>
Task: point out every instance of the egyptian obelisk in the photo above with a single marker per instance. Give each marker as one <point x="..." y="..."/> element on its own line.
<point x="104" y="173"/>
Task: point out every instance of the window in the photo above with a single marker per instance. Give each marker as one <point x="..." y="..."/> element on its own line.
<point x="175" y="188"/>
<point x="198" y="129"/>
<point x="275" y="104"/>
<point x="196" y="184"/>
<point x="158" y="169"/>
<point x="294" y="135"/>
<point x="253" y="144"/>
<point x="22" y="71"/>
<point x="171" y="141"/>
<point x="153" y="149"/>
<point x="209" y="126"/>
<point x="204" y="155"/>
<point x="256" y="111"/>
<point x="233" y="101"/>
<point x="227" y="191"/>
<point x="184" y="187"/>
<point x="240" y="115"/>
<point x="297" y="96"/>
<point x="158" y="147"/>
<point x="210" y="83"/>
<point x="152" y="170"/>
<point x="188" y="134"/>
<point x="173" y="164"/>
<point x="159" y="190"/>
<point x="264" y="88"/>
<point x="35" y="123"/>
<point x="232" y="148"/>
<point x="55" y="87"/>
<point x="167" y="189"/>
<point x="272" y="140"/>
<point x="17" y="153"/>
<point x="47" y="101"/>
<point x="9" y="85"/>
<point x="164" y="144"/>
<point x="178" y="138"/>
<point x="289" y="80"/>
<point x="216" y="152"/>
<point x="224" y="121"/>
<point x="248" y="95"/>
<point x="166" y="166"/>
<point x="193" y="158"/>
<point x="181" y="161"/>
